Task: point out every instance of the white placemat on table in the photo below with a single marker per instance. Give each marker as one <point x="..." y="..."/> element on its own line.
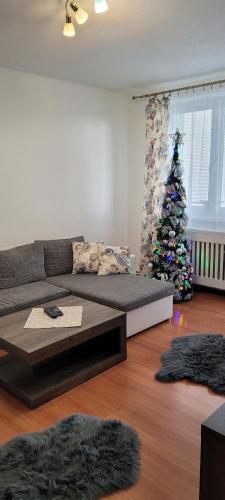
<point x="72" y="317"/>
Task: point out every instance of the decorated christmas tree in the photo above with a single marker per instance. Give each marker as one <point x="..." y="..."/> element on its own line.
<point x="170" y="253"/>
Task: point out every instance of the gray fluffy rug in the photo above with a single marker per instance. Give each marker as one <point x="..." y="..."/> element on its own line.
<point x="199" y="358"/>
<point x="82" y="457"/>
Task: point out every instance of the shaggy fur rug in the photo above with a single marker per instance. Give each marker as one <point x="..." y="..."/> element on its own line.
<point x="199" y="358"/>
<point x="82" y="457"/>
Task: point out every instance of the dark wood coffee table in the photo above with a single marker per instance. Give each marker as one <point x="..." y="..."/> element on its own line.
<point x="44" y="363"/>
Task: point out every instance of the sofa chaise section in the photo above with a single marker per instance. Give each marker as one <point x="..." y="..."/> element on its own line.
<point x="28" y="295"/>
<point x="146" y="302"/>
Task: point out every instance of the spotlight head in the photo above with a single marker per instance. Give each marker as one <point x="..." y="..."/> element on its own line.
<point x="81" y="15"/>
<point x="101" y="6"/>
<point x="69" y="30"/>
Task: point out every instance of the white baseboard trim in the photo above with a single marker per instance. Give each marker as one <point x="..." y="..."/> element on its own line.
<point x="146" y="316"/>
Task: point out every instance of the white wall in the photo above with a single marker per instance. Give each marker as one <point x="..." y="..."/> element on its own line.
<point x="136" y="159"/>
<point x="63" y="160"/>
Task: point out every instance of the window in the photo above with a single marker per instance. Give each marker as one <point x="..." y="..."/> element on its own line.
<point x="202" y="118"/>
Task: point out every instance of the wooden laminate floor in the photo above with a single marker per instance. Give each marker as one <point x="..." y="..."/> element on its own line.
<point x="166" y="416"/>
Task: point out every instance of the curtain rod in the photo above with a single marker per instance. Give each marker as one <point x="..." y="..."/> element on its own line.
<point x="181" y="89"/>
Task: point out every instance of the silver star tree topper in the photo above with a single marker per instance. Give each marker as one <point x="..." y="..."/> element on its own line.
<point x="177" y="137"/>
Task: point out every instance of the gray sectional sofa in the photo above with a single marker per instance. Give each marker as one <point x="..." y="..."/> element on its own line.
<point x="42" y="271"/>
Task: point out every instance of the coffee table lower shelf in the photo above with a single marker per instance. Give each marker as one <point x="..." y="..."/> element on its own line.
<point x="35" y="385"/>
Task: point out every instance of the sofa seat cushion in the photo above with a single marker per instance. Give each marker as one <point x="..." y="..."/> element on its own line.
<point x="31" y="294"/>
<point x="122" y="291"/>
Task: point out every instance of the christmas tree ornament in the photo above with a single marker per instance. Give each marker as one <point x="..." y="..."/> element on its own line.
<point x="178" y="297"/>
<point x="162" y="276"/>
<point x="174" y="196"/>
<point x="170" y="253"/>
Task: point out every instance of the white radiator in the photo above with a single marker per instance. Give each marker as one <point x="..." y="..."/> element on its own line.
<point x="208" y="258"/>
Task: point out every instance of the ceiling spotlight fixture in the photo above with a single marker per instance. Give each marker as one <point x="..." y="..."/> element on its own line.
<point x="101" y="6"/>
<point x="69" y="29"/>
<point x="80" y="15"/>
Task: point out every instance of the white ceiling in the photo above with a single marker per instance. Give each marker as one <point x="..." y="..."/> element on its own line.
<point x="136" y="43"/>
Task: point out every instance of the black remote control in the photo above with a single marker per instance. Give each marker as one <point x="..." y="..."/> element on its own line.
<point x="53" y="312"/>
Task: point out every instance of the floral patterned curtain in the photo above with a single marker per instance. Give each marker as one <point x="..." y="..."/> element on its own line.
<point x="157" y="120"/>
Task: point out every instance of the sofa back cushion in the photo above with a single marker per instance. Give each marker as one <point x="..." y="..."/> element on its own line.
<point x="21" y="265"/>
<point x="58" y="255"/>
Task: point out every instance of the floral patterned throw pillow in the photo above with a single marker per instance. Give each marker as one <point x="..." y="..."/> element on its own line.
<point x="113" y="260"/>
<point x="86" y="257"/>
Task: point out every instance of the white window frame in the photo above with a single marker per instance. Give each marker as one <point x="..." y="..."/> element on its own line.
<point x="217" y="150"/>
